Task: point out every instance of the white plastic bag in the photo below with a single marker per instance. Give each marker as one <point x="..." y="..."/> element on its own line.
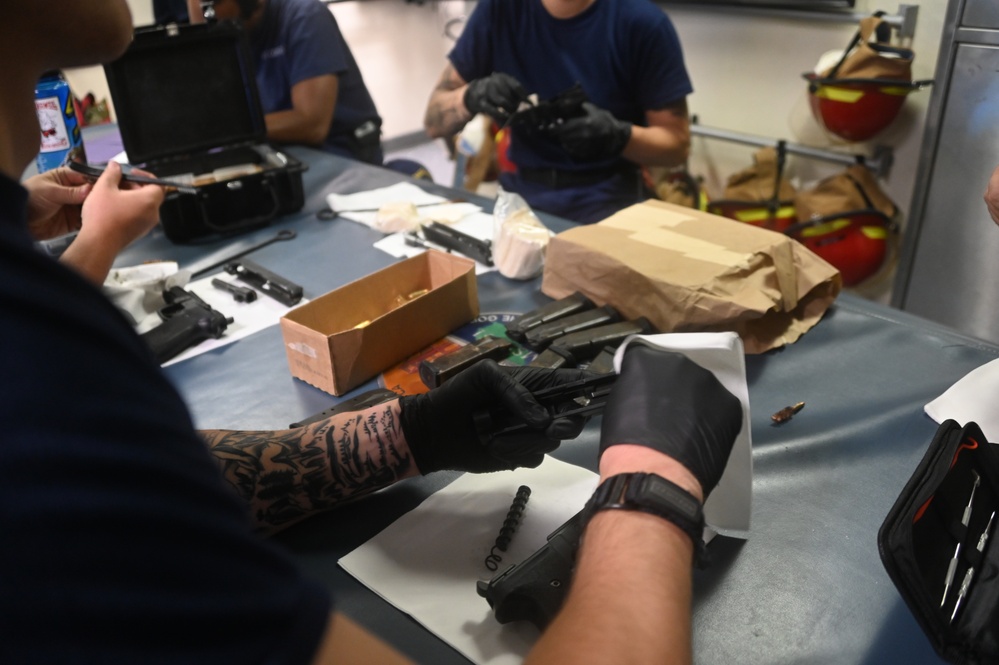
<point x="519" y="237"/>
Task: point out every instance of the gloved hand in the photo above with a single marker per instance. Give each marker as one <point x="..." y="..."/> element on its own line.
<point x="596" y="134"/>
<point x="497" y="95"/>
<point x="665" y="401"/>
<point x="441" y="432"/>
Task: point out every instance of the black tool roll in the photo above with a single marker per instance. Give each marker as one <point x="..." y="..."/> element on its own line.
<point x="937" y="544"/>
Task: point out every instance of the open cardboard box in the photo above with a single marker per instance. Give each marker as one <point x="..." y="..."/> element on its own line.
<point x="340" y="340"/>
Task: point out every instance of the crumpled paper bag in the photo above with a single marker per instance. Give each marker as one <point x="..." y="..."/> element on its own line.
<point x="691" y="271"/>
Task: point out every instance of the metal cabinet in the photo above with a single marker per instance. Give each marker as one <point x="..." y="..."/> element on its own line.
<point x="981" y="14"/>
<point x="949" y="266"/>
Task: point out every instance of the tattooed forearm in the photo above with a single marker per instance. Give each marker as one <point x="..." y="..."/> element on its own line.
<point x="446" y="113"/>
<point x="287" y="475"/>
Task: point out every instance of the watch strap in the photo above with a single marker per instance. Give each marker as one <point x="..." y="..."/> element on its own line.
<point x="653" y="494"/>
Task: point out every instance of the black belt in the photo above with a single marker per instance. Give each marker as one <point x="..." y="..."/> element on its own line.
<point x="559" y="179"/>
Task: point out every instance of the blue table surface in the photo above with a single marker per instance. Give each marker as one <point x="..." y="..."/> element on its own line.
<point x="806" y="587"/>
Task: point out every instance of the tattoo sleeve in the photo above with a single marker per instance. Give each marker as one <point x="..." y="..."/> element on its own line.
<point x="287" y="475"/>
<point x="446" y="113"/>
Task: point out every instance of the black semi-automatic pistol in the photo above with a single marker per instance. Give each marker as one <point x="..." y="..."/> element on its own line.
<point x="535" y="589"/>
<point x="187" y="320"/>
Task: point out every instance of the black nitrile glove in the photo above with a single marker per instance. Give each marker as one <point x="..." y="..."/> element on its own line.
<point x="441" y="432"/>
<point x="665" y="401"/>
<point x="596" y="134"/>
<point x="497" y="95"/>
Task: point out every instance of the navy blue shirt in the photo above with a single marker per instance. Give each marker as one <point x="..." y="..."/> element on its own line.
<point x="297" y="40"/>
<point x="624" y="53"/>
<point x="119" y="541"/>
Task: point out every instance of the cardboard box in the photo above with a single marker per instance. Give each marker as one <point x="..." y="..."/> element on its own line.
<point x="691" y="271"/>
<point x="346" y="337"/>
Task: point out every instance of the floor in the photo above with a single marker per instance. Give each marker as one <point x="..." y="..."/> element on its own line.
<point x="431" y="153"/>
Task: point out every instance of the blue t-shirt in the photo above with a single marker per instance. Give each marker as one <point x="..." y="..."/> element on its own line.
<point x="297" y="40"/>
<point x="120" y="541"/>
<point x="624" y="53"/>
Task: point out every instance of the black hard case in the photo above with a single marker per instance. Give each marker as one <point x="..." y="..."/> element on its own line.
<point x="187" y="102"/>
<point x="920" y="534"/>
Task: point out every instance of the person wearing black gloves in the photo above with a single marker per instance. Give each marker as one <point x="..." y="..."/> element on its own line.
<point x="370" y="449"/>
<point x="667" y="432"/>
<point x="626" y="57"/>
<point x="122" y="541"/>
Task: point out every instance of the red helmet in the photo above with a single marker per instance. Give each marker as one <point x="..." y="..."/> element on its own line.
<point x="857" y="109"/>
<point x="855" y="243"/>
<point x="772" y="215"/>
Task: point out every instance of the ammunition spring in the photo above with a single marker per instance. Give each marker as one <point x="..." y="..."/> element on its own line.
<point x="510" y="525"/>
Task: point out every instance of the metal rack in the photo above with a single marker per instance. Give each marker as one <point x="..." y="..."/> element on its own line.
<point x="879" y="163"/>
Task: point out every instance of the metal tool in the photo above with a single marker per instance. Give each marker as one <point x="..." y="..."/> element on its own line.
<point x="328" y="214"/>
<point x="966" y="582"/>
<point x="283" y="234"/>
<point x="94" y="172"/>
<point x="965" y="517"/>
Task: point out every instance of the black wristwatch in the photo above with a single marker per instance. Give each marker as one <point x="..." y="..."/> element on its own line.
<point x="649" y="493"/>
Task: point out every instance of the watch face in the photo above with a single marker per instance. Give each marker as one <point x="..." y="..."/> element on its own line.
<point x="661" y="492"/>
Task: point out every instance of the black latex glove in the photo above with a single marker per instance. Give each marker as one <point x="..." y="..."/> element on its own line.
<point x="596" y="134"/>
<point x="665" y="401"/>
<point x="497" y="95"/>
<point x="441" y="433"/>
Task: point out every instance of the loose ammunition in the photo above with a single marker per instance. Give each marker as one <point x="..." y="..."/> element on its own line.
<point x="787" y="413"/>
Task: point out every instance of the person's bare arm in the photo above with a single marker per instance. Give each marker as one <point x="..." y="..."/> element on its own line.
<point x="666" y="140"/>
<point x="308" y="121"/>
<point x="631" y="591"/>
<point x="194" y="14"/>
<point x="446" y="113"/>
<point x="992" y="196"/>
<point x="287" y="475"/>
<point x="114" y="214"/>
<point x="347" y="643"/>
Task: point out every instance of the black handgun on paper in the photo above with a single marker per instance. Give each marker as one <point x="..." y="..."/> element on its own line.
<point x="534" y="589"/>
<point x="187" y="320"/>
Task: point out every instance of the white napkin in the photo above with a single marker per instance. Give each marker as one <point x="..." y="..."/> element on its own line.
<point x="971" y="399"/>
<point x="727" y="510"/>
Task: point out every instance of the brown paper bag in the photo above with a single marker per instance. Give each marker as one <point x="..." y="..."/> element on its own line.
<point x="856" y="188"/>
<point x="690" y="271"/>
<point x="761" y="181"/>
<point x="867" y="58"/>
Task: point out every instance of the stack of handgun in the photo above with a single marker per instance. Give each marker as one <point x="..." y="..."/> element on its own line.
<point x="570" y="332"/>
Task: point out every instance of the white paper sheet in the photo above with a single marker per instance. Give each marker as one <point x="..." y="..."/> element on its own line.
<point x="427" y="562"/>
<point x="248" y="318"/>
<point x="363" y="206"/>
<point x="971" y="399"/>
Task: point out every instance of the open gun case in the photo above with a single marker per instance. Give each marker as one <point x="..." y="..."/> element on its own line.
<point x="189" y="111"/>
<point x="938" y="544"/>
